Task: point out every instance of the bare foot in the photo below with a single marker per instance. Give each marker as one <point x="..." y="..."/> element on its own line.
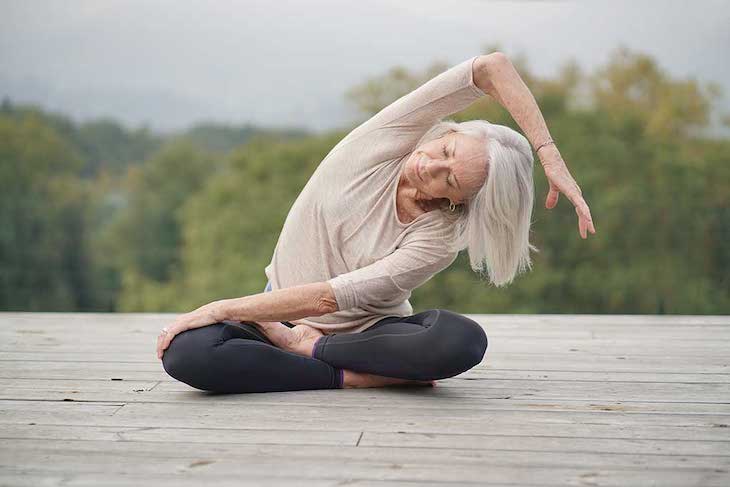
<point x="305" y="337"/>
<point x="278" y="333"/>
<point x="299" y="339"/>
<point x="354" y="379"/>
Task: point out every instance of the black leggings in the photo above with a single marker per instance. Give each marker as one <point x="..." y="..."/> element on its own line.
<point x="233" y="356"/>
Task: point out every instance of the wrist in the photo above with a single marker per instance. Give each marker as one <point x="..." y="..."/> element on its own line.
<point x="220" y="310"/>
<point x="549" y="154"/>
<point x="547" y="142"/>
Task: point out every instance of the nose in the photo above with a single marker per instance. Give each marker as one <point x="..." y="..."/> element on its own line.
<point x="434" y="167"/>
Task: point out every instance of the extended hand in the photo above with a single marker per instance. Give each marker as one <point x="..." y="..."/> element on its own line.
<point x="562" y="182"/>
<point x="203" y="316"/>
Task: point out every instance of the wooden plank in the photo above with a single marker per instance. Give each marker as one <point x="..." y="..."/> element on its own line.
<point x="464" y="405"/>
<point x="546" y="443"/>
<point x="367" y="438"/>
<point x="110" y="326"/>
<point x="190" y="478"/>
<point x="215" y="413"/>
<point x="481" y="384"/>
<point x="361" y="461"/>
<point x="534" y="423"/>
<point x="24" y="477"/>
<point x="440" y="397"/>
<point x="246" y="474"/>
<point x="153" y="371"/>
<point x="497" y="359"/>
<point x="400" y="399"/>
<point x="187" y="435"/>
<point x="678" y="350"/>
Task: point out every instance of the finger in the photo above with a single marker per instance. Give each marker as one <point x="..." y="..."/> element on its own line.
<point x="161" y="343"/>
<point x="159" y="347"/>
<point x="585" y="211"/>
<point x="582" y="224"/>
<point x="166" y="340"/>
<point x="552" y="198"/>
<point x="581" y="207"/>
<point x="588" y="219"/>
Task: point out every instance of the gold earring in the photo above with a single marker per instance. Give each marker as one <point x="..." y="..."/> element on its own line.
<point x="452" y="206"/>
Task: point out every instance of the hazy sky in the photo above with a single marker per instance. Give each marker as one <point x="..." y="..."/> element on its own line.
<point x="170" y="63"/>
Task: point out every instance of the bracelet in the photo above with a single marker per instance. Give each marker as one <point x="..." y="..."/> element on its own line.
<point x="550" y="141"/>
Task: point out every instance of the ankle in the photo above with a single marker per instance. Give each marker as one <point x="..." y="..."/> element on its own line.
<point x="352" y="379"/>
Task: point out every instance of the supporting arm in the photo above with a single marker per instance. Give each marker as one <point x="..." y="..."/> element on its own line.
<point x="289" y="304"/>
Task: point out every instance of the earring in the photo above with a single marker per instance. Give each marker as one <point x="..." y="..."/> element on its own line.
<point x="452" y="207"/>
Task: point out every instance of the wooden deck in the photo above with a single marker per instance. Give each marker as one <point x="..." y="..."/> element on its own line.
<point x="558" y="400"/>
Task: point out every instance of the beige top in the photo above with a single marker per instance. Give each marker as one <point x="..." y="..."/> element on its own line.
<point x="343" y="228"/>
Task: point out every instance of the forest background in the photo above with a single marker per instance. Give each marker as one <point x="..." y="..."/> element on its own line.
<point x="97" y="216"/>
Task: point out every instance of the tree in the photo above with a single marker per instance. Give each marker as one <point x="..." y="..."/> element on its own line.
<point x="43" y="259"/>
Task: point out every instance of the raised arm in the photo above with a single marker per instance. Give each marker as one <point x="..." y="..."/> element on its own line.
<point x="495" y="75"/>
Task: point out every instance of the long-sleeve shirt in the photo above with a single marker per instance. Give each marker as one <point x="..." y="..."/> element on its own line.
<point x="343" y="228"/>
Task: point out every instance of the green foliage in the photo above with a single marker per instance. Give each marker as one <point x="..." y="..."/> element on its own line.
<point x="232" y="222"/>
<point x="145" y="238"/>
<point x="96" y="216"/>
<point x="108" y="146"/>
<point x="102" y="145"/>
<point x="42" y="255"/>
<point x="221" y="138"/>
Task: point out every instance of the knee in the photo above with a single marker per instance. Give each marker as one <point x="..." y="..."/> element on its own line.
<point x="187" y="358"/>
<point x="463" y="341"/>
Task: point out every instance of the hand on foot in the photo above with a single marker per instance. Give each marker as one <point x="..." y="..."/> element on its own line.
<point x="304" y="338"/>
<point x="299" y="339"/>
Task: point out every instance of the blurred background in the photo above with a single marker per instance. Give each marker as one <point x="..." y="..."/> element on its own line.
<point x="150" y="150"/>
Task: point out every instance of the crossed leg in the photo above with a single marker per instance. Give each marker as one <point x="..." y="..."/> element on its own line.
<point x="434" y="344"/>
<point x="236" y="357"/>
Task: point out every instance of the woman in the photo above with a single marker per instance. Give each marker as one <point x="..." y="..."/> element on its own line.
<point x="391" y="205"/>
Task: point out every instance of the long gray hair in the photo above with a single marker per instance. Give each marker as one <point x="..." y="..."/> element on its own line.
<point x="494" y="224"/>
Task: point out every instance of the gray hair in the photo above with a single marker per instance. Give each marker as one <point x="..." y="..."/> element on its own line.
<point x="494" y="224"/>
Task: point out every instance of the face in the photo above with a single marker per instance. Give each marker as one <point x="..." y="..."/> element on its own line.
<point x="452" y="167"/>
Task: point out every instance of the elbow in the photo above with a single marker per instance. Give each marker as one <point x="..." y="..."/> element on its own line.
<point x="496" y="59"/>
<point x="487" y="67"/>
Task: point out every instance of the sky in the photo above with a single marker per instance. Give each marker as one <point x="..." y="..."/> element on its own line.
<point x="169" y="64"/>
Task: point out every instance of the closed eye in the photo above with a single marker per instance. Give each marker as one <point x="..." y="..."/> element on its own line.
<point x="447" y="156"/>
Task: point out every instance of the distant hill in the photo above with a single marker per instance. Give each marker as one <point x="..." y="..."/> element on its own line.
<point x="106" y="144"/>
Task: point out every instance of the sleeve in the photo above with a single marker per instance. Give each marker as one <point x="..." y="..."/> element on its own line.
<point x="390" y="280"/>
<point x="413" y="114"/>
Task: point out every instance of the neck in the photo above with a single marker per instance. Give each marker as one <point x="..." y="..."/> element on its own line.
<point x="408" y="204"/>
